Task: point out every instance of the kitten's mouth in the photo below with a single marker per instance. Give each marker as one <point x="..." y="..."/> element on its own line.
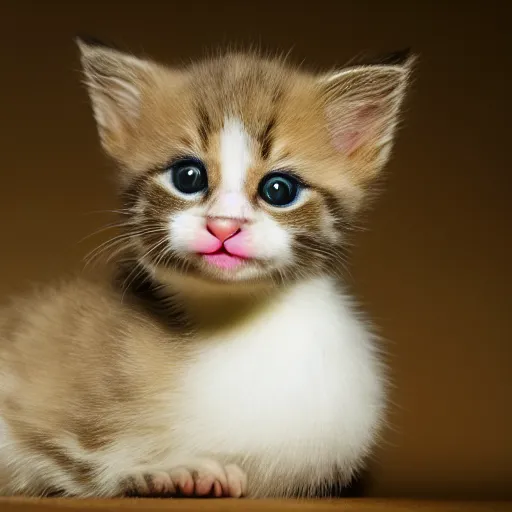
<point x="223" y="259"/>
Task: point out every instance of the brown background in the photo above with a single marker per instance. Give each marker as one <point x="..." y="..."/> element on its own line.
<point x="433" y="269"/>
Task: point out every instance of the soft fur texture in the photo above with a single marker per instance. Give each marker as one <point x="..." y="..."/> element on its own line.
<point x="176" y="374"/>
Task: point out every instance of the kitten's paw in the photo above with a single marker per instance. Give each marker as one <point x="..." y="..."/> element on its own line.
<point x="220" y="481"/>
<point x="205" y="479"/>
<point x="159" y="483"/>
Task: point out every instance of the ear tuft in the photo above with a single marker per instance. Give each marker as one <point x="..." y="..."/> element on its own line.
<point x="115" y="82"/>
<point x="88" y="40"/>
<point x="362" y="105"/>
<point x="396" y="58"/>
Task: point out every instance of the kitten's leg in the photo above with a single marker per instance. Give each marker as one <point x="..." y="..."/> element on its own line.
<point x="202" y="477"/>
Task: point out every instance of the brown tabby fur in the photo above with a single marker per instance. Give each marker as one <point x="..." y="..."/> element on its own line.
<point x="89" y="365"/>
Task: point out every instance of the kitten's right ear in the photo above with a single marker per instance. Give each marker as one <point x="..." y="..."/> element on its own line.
<point x="362" y="106"/>
<point x="116" y="82"/>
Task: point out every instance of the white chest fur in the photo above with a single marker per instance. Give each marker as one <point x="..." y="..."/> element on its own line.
<point x="300" y="382"/>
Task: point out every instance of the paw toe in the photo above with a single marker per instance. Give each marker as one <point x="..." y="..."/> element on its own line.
<point x="161" y="483"/>
<point x="183" y="481"/>
<point x="217" y="489"/>
<point x="204" y="485"/>
<point x="237" y="481"/>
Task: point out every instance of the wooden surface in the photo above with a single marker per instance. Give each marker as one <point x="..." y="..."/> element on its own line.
<point x="348" y="505"/>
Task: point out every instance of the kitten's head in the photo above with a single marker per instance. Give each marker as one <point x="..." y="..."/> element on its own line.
<point x="240" y="168"/>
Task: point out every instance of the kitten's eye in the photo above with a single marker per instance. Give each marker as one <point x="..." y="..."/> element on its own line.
<point x="189" y="176"/>
<point x="279" y="189"/>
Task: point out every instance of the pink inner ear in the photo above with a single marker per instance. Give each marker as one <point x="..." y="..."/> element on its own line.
<point x="353" y="126"/>
<point x="347" y="141"/>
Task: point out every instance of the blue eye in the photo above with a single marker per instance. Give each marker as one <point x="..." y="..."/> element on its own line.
<point x="279" y="189"/>
<point x="189" y="176"/>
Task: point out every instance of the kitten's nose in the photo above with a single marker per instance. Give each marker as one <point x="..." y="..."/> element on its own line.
<point x="223" y="228"/>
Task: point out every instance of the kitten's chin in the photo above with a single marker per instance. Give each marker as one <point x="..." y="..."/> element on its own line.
<point x="201" y="285"/>
<point x="226" y="268"/>
<point x="216" y="272"/>
<point x="223" y="261"/>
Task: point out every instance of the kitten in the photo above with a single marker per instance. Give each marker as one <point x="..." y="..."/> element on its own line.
<point x="223" y="356"/>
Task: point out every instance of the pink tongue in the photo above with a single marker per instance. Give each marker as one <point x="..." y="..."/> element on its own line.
<point x="223" y="260"/>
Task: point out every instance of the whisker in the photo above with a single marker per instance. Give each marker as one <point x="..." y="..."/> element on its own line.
<point x="123" y="237"/>
<point x="107" y="227"/>
<point x="166" y="250"/>
<point x="127" y="282"/>
<point x="122" y="211"/>
<point x="328" y="255"/>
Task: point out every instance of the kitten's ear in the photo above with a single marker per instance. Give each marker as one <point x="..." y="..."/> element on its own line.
<point x="362" y="105"/>
<point x="116" y="82"/>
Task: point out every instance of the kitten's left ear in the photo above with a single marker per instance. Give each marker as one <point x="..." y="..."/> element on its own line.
<point x="362" y="105"/>
<point x="116" y="82"/>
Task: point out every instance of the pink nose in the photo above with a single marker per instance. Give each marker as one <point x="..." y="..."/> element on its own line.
<point x="223" y="228"/>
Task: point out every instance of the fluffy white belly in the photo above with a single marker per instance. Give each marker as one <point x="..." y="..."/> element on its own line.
<point x="299" y="386"/>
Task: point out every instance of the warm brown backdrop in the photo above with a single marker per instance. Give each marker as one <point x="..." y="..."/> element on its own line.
<point x="434" y="268"/>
